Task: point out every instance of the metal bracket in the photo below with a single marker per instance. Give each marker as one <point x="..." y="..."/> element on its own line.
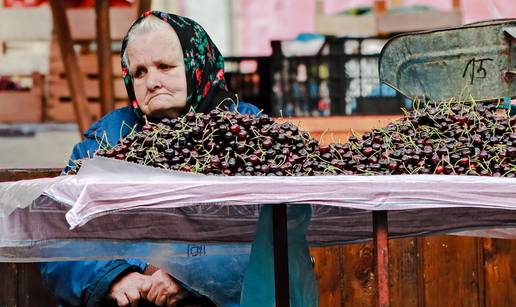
<point x="510" y="32"/>
<point x="510" y="75"/>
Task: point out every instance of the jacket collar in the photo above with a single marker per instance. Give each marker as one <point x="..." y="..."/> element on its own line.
<point x="112" y="127"/>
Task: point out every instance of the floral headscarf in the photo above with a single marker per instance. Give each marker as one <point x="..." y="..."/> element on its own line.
<point x="204" y="65"/>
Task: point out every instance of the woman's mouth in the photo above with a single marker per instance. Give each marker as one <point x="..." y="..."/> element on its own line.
<point x="155" y="96"/>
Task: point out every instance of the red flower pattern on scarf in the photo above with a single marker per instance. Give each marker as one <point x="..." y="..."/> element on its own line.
<point x="220" y="74"/>
<point x="209" y="51"/>
<point x="206" y="89"/>
<point x="198" y="75"/>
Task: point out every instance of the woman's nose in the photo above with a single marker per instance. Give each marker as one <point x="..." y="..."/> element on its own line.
<point x="153" y="82"/>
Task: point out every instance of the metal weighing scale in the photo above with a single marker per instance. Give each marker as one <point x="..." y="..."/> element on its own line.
<point x="474" y="61"/>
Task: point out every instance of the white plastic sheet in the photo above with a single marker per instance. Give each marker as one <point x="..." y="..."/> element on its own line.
<point x="20" y="194"/>
<point x="114" y="209"/>
<point x="108" y="196"/>
<point x="105" y="186"/>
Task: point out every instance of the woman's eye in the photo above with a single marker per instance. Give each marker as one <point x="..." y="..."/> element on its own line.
<point x="164" y="66"/>
<point x="139" y="73"/>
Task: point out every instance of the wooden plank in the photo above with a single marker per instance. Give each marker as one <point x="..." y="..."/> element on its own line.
<point x="359" y="286"/>
<point x="75" y="82"/>
<point x="329" y="271"/>
<point x="345" y="274"/>
<point x="8" y="286"/>
<point x="339" y="128"/>
<point x="63" y="112"/>
<point x="404" y="274"/>
<point x="82" y="22"/>
<point x="104" y="57"/>
<point x="27" y="23"/>
<point x="341" y="123"/>
<point x="14" y="174"/>
<point x="345" y="25"/>
<point x="59" y="88"/>
<point x="337" y="281"/>
<point x="32" y="291"/>
<point x="390" y="23"/>
<point x="420" y="243"/>
<point x="445" y="266"/>
<point x="500" y="272"/>
<point x="23" y="64"/>
<point x="382" y="22"/>
<point x="450" y="271"/>
<point x="481" y="280"/>
<point x="14" y="104"/>
<point x="36" y="23"/>
<point x="87" y="63"/>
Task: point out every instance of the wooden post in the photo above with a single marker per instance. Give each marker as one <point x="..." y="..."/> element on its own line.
<point x="37" y="89"/>
<point x="104" y="57"/>
<point x="280" y="241"/>
<point x="73" y="73"/>
<point x="456" y="4"/>
<point x="381" y="252"/>
<point x="143" y="6"/>
<point x="380" y="6"/>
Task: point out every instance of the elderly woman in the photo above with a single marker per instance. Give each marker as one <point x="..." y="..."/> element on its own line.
<point x="170" y="66"/>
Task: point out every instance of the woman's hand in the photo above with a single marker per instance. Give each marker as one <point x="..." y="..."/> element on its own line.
<point x="128" y="290"/>
<point x="164" y="291"/>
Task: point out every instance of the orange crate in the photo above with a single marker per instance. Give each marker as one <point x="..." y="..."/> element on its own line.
<point x="23" y="106"/>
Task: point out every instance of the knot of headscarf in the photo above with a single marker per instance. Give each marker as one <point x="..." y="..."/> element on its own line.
<point x="204" y="66"/>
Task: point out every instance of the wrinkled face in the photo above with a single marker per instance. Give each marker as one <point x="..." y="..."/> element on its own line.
<point x="158" y="70"/>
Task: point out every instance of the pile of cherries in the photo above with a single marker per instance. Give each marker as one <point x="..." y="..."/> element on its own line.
<point x="445" y="138"/>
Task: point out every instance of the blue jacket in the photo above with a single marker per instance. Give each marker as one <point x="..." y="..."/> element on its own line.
<point x="85" y="283"/>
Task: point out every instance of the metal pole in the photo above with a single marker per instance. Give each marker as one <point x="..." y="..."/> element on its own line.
<point x="280" y="241"/>
<point x="381" y="248"/>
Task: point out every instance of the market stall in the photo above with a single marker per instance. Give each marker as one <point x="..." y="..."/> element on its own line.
<point x="69" y="214"/>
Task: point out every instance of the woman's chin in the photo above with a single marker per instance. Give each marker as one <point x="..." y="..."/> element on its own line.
<point x="160" y="108"/>
<point x="157" y="107"/>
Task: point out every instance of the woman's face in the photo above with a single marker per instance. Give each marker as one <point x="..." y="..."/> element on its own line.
<point x="158" y="70"/>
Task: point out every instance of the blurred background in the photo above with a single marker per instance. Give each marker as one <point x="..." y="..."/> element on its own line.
<point x="315" y="60"/>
